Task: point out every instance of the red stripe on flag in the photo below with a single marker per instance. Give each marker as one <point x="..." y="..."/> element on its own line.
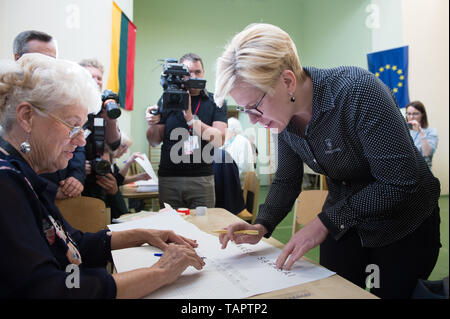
<point x="131" y="52"/>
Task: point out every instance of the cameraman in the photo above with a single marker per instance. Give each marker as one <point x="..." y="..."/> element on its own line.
<point x="188" y="183"/>
<point x="100" y="186"/>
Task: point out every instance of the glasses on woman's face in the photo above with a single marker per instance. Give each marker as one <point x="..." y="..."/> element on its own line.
<point x="73" y="130"/>
<point x="413" y="114"/>
<point x="252" y="110"/>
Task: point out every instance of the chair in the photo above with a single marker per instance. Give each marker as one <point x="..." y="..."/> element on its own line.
<point x="227" y="185"/>
<point x="307" y="206"/>
<point x="87" y="214"/>
<point x="251" y="193"/>
<point x="319" y="179"/>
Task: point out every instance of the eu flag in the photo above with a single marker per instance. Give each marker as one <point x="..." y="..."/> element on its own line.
<point x="391" y="67"/>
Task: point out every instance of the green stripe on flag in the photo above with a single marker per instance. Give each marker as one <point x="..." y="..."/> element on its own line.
<point x="123" y="60"/>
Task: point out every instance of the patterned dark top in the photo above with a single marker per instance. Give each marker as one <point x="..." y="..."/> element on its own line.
<point x="378" y="182"/>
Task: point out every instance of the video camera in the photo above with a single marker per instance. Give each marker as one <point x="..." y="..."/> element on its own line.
<point x="95" y="141"/>
<point x="175" y="85"/>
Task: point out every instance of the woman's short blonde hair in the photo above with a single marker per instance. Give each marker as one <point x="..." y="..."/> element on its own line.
<point x="257" y="56"/>
<point x="45" y="82"/>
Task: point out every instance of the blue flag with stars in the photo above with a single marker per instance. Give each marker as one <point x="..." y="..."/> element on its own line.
<point x="391" y="67"/>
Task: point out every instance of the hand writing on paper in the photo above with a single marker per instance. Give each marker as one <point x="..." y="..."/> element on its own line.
<point x="242" y="238"/>
<point x="310" y="236"/>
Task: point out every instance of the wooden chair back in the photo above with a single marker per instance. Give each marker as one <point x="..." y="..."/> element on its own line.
<point x="251" y="194"/>
<point x="87" y="214"/>
<point x="307" y="206"/>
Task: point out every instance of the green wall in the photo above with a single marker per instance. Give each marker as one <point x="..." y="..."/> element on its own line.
<point x="327" y="33"/>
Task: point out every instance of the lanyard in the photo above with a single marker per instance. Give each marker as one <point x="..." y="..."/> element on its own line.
<point x="198" y="105"/>
<point x="196" y="110"/>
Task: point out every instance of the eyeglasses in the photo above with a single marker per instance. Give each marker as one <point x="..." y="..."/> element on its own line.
<point x="252" y="110"/>
<point x="74" y="130"/>
<point x="413" y="114"/>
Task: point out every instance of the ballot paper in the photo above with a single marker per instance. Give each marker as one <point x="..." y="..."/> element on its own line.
<point x="147" y="166"/>
<point x="150" y="185"/>
<point x="239" y="271"/>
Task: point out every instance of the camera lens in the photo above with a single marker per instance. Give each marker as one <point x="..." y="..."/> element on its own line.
<point x="102" y="167"/>
<point x="112" y="109"/>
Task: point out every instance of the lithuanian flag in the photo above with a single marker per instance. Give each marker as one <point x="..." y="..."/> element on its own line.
<point x="123" y="48"/>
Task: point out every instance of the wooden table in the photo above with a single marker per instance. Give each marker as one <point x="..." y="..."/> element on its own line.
<point x="333" y="287"/>
<point x="130" y="192"/>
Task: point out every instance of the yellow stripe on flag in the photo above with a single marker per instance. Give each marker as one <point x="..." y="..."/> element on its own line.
<point x="113" y="78"/>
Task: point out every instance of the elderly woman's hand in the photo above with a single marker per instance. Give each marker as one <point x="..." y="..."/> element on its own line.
<point x="162" y="238"/>
<point x="175" y="260"/>
<point x="71" y="187"/>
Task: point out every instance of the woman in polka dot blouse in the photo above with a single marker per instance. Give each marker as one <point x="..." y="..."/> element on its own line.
<point x="382" y="207"/>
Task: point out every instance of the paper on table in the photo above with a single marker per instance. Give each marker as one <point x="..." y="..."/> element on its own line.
<point x="147" y="166"/>
<point x="239" y="271"/>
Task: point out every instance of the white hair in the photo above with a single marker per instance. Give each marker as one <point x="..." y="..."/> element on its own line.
<point x="234" y="126"/>
<point x="45" y="82"/>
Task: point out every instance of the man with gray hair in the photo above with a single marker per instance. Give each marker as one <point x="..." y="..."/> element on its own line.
<point x="33" y="41"/>
<point x="70" y="180"/>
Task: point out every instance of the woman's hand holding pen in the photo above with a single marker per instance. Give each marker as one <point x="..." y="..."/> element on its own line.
<point x="242" y="238"/>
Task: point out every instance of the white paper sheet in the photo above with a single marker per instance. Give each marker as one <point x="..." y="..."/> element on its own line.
<point x="147" y="166"/>
<point x="239" y="271"/>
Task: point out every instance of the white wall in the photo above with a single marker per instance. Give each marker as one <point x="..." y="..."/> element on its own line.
<point x="423" y="26"/>
<point x="82" y="29"/>
<point x="425" y="30"/>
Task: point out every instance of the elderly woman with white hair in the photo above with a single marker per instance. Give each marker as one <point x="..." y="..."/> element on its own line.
<point x="43" y="104"/>
<point x="239" y="147"/>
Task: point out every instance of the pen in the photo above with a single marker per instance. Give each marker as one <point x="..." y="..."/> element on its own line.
<point x="246" y="232"/>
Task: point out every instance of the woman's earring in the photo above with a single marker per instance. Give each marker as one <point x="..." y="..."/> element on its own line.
<point x="25" y="147"/>
<point x="292" y="98"/>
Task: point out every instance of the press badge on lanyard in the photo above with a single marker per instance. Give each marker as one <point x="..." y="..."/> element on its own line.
<point x="192" y="143"/>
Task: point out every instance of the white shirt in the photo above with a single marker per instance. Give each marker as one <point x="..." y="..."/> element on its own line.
<point x="240" y="149"/>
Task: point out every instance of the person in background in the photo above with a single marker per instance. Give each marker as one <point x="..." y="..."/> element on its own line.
<point x="69" y="181"/>
<point x="240" y="148"/>
<point x="117" y="177"/>
<point x="251" y="138"/>
<point x="188" y="183"/>
<point x="43" y="104"/>
<point x="382" y="204"/>
<point x="425" y="138"/>
<point x="32" y="41"/>
<point x="104" y="187"/>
